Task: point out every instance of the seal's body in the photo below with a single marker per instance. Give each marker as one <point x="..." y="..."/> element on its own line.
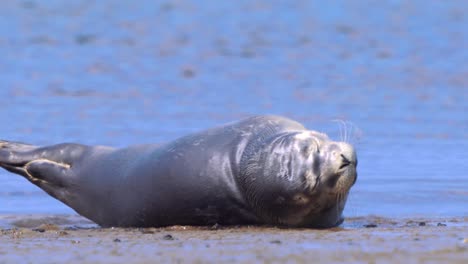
<point x="261" y="170"/>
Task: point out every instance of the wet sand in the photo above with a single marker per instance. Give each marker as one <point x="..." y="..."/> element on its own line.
<point x="364" y="239"/>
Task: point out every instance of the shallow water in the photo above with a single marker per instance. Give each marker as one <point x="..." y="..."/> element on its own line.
<point x="120" y="74"/>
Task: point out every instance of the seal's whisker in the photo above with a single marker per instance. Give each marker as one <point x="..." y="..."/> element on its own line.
<point x="351" y="126"/>
<point x="355" y="134"/>
<point x="342" y="128"/>
<point x="345" y="123"/>
<point x="345" y="131"/>
<point x="350" y="131"/>
<point x="337" y="202"/>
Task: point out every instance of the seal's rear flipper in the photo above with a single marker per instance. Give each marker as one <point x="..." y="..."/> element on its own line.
<point x="43" y="166"/>
<point x="17" y="146"/>
<point x="13" y="156"/>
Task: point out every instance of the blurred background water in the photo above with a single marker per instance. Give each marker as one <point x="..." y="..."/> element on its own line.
<point x="128" y="72"/>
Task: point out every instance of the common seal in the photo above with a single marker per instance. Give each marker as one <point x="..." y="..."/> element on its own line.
<point x="260" y="170"/>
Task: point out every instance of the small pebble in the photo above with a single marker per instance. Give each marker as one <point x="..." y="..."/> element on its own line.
<point x="275" y="242"/>
<point x="168" y="237"/>
<point x="117" y="240"/>
<point x="422" y="223"/>
<point x="440" y="224"/>
<point x="370" y="225"/>
<point x="40" y="230"/>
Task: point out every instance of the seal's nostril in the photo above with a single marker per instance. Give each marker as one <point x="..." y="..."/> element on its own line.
<point x="345" y="161"/>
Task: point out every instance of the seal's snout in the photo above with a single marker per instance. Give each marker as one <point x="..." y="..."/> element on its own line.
<point x="348" y="163"/>
<point x="341" y="162"/>
<point x="347" y="154"/>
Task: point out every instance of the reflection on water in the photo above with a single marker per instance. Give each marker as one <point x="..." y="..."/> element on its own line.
<point x="126" y="74"/>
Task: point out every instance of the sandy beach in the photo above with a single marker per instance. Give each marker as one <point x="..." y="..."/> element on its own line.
<point x="71" y="239"/>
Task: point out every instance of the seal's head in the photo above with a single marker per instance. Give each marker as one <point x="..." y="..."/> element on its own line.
<point x="299" y="178"/>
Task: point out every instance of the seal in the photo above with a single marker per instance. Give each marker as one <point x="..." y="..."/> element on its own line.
<point x="261" y="170"/>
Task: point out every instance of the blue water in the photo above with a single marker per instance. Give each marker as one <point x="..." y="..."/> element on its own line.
<point x="121" y="72"/>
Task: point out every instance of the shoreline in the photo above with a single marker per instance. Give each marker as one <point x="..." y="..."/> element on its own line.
<point x="361" y="239"/>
